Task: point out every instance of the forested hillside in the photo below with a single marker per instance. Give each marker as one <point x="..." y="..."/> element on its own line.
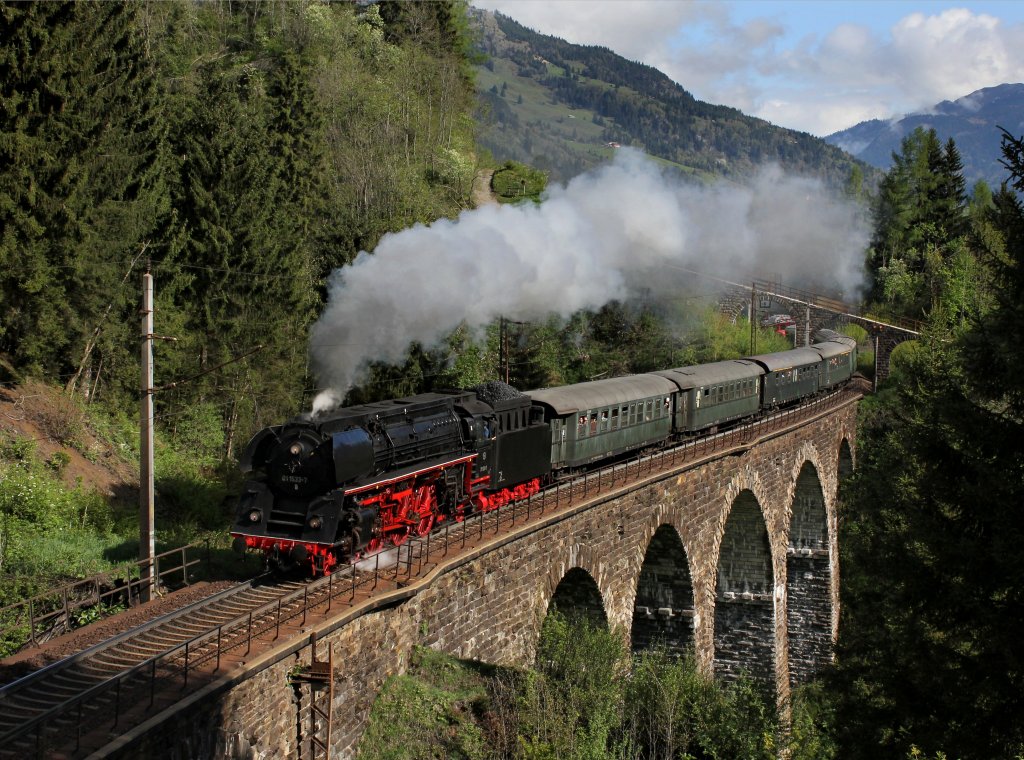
<point x="242" y="150"/>
<point x="559" y="105"/>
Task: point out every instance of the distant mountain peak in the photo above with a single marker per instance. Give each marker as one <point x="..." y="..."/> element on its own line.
<point x="973" y="121"/>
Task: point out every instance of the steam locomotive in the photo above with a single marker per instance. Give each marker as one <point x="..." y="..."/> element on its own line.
<point x="352" y="481"/>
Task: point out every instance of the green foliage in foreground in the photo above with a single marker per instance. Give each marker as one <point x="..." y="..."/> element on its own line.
<point x="585" y="699"/>
<point x="47" y="529"/>
<point x="52" y="534"/>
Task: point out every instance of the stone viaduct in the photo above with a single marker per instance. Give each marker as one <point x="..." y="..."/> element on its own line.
<point x="811" y="312"/>
<point x="734" y="555"/>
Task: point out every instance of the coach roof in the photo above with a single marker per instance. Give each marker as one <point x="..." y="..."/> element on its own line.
<point x="704" y="375"/>
<point x="601" y="393"/>
<point x="783" y="360"/>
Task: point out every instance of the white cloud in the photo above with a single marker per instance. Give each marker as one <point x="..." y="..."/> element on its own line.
<point x="821" y="82"/>
<point x="632" y="29"/>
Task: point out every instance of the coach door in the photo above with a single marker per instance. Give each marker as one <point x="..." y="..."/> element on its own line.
<point x="557" y="441"/>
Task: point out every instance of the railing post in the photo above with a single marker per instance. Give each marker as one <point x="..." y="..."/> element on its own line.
<point x="184" y="565"/>
<point x="67" y="611"/>
<point x="32" y="622"/>
<point x="305" y="602"/>
<point x="277" y="629"/>
<point x="117" y="702"/>
<point x="185" y="685"/>
<point x="219" y="629"/>
<point x="152" y="681"/>
<point x="248" y="636"/>
<point x="78" y="731"/>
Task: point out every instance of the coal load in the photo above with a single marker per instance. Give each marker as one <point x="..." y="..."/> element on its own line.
<point x="493" y="391"/>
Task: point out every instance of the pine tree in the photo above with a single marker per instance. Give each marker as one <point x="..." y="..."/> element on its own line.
<point x="82" y="177"/>
<point x="919" y="212"/>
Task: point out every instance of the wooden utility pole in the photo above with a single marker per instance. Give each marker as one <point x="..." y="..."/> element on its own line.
<point x="147" y="530"/>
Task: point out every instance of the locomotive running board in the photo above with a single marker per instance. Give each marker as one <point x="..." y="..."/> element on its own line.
<point x="437" y="464"/>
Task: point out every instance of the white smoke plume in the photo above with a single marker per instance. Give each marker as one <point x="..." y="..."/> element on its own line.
<point x="606" y="234"/>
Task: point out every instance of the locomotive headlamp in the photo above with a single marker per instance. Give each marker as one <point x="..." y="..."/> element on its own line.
<point x="315" y="522"/>
<point x="296" y="449"/>
<point x="255" y="516"/>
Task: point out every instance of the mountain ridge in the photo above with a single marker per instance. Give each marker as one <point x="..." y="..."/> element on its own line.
<point x="972" y="121"/>
<point x="564" y="108"/>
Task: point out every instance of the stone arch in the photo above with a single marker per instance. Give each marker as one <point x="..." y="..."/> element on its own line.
<point x="808" y="577"/>
<point x="744" y="625"/>
<point x="577" y="595"/>
<point x="663" y="611"/>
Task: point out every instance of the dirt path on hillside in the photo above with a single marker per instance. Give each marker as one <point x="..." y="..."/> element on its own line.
<point x="482" y="194"/>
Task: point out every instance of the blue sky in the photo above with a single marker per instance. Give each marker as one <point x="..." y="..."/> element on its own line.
<point x="814" y="66"/>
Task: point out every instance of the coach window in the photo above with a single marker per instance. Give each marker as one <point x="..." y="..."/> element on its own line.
<point x="615" y="419"/>
<point x="604" y="420"/>
<point x="593" y="423"/>
<point x="582" y="430"/>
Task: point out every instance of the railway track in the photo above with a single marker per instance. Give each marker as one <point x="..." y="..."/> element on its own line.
<point x="47" y="691"/>
<point x="80" y="704"/>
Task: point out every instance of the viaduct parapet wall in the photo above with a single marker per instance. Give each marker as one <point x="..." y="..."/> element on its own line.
<point x="736" y="557"/>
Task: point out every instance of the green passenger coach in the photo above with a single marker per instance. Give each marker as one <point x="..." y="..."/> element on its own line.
<point x="789" y="375"/>
<point x="603" y="418"/>
<point x="839" y="360"/>
<point x="713" y="394"/>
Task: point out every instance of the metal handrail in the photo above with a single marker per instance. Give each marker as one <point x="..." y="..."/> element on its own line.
<point x="70" y="595"/>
